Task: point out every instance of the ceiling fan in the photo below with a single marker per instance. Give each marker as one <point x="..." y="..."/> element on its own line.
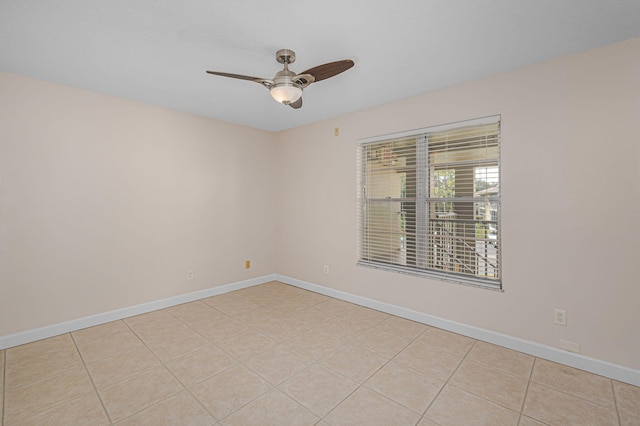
<point x="286" y="86"/>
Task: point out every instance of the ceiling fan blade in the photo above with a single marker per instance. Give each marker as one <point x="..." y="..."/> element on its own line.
<point x="264" y="81"/>
<point x="239" y="76"/>
<point x="297" y="104"/>
<point x="322" y="72"/>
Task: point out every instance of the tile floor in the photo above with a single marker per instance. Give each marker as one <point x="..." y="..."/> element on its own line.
<point x="276" y="354"/>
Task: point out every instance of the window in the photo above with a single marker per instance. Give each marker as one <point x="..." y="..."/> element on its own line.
<point x="429" y="202"/>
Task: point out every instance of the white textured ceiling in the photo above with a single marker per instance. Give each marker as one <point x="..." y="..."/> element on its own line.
<point x="157" y="51"/>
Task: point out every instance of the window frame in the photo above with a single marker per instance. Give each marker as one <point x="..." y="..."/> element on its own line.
<point x="423" y="252"/>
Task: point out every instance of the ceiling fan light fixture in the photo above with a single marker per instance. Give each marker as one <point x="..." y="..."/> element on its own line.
<point x="286" y="93"/>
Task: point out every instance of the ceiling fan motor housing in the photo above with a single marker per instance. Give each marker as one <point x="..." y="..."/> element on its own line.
<point x="285" y="56"/>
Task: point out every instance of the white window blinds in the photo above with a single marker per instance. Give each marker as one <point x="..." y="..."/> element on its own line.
<point x="429" y="202"/>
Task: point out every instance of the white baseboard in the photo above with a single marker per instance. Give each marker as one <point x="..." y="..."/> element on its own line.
<point x="603" y="368"/>
<point x="29" y="336"/>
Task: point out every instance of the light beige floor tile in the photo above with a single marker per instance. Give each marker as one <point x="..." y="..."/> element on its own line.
<point x="267" y="298"/>
<point x="454" y="407"/>
<point x="200" y="365"/>
<point x="314" y="344"/>
<point x="312" y="298"/>
<point x="288" y="328"/>
<point x="407" y="387"/>
<point x="39" y="348"/>
<point x="354" y="362"/>
<point x="282" y="290"/>
<point x="109" y="345"/>
<point x="261" y="296"/>
<point x="365" y="316"/>
<point x="628" y="420"/>
<point x="33" y="398"/>
<point x="278" y="364"/>
<point x="21" y="370"/>
<point x="226" y="392"/>
<point x="38" y="360"/>
<point x="172" y="347"/>
<point x="293" y="304"/>
<point x="426" y="422"/>
<point x="401" y="327"/>
<point x="166" y="329"/>
<point x="86" y="410"/>
<point x="492" y="384"/>
<point x="528" y="421"/>
<point x="557" y="408"/>
<point x="429" y="360"/>
<point x="335" y="306"/>
<point x="149" y="321"/>
<point x="237" y="307"/>
<point x="121" y="365"/>
<point x="178" y="410"/>
<point x="246" y="345"/>
<point x="258" y="316"/>
<point x="447" y="341"/>
<point x="266" y="293"/>
<point x="366" y="407"/>
<point x="99" y="331"/>
<point x="217" y="331"/>
<point x="628" y="398"/>
<point x="512" y="362"/>
<point x="222" y="299"/>
<point x="196" y="312"/>
<point x="382" y="343"/>
<point x="312" y="316"/>
<point x="274" y="408"/>
<point x="341" y="328"/>
<point x="280" y="328"/>
<point x="318" y="388"/>
<point x="126" y="397"/>
<point x="253" y="293"/>
<point x="574" y="382"/>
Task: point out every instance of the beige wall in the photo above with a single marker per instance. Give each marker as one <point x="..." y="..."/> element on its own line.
<point x="106" y="203"/>
<point x="570" y="211"/>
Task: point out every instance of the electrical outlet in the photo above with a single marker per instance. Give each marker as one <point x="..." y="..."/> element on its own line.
<point x="336" y="131"/>
<point x="325" y="270"/>
<point x="190" y="274"/>
<point x="247" y="264"/>
<point x="560" y="316"/>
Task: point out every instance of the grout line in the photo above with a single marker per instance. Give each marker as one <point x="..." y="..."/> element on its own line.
<point x="615" y="401"/>
<point x="360" y="385"/>
<point x="578" y="396"/>
<point x="237" y="362"/>
<point x="51" y="376"/>
<point x="168" y="369"/>
<point x="526" y="391"/>
<point x="449" y="379"/>
<point x="147" y="369"/>
<point x="95" y="388"/>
